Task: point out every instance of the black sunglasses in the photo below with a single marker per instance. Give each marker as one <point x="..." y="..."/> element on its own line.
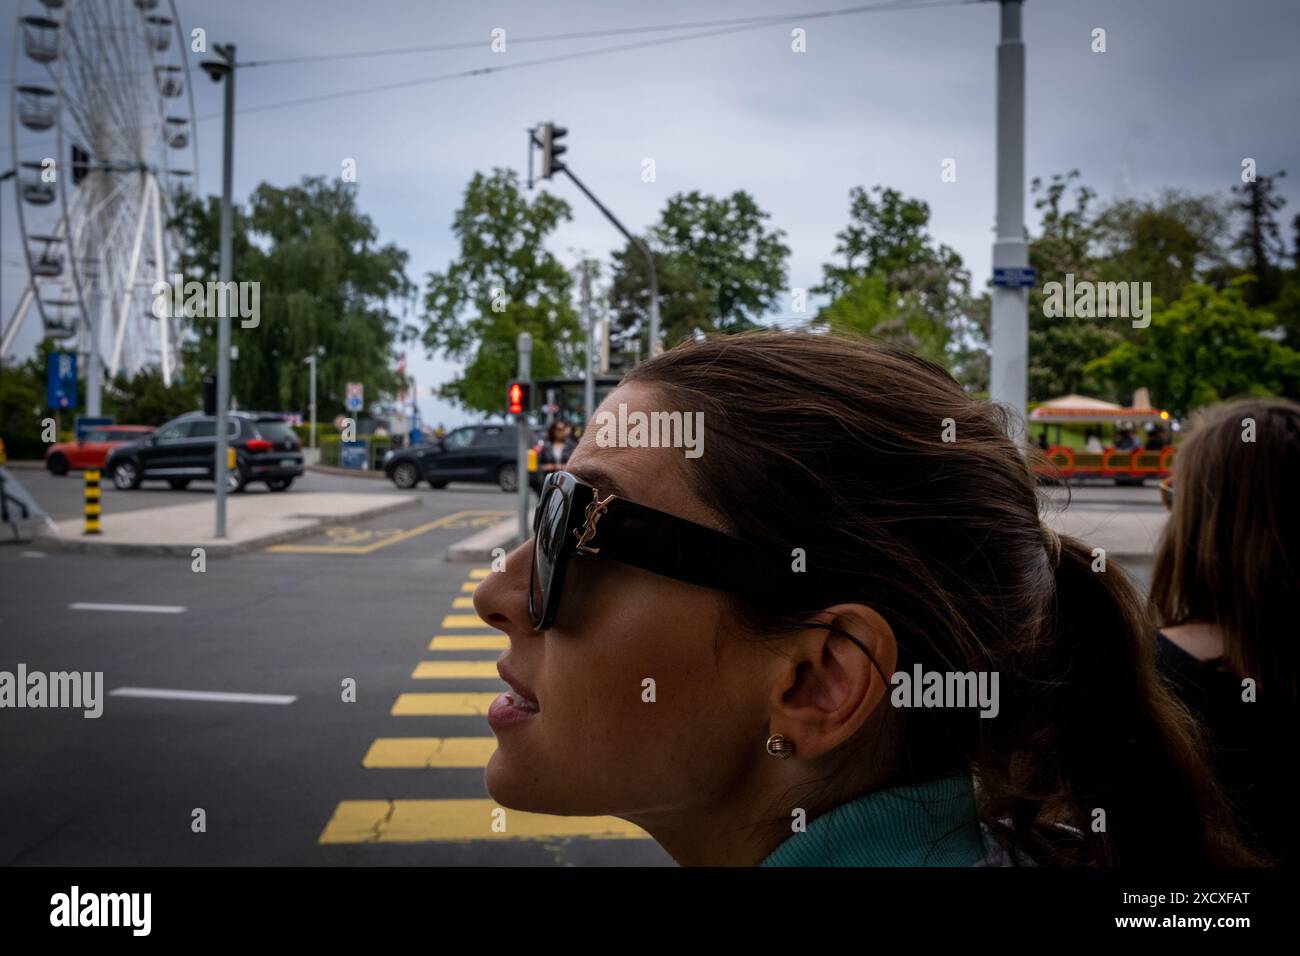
<point x="573" y="519"/>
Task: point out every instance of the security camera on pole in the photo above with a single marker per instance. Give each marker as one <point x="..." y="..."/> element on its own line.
<point x="547" y="138"/>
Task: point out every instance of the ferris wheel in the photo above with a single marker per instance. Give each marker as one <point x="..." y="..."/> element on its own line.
<point x="103" y="138"/>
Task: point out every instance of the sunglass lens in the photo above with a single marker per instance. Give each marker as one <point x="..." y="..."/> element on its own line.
<point x="546" y="549"/>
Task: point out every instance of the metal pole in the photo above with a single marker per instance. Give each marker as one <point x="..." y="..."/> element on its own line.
<point x="655" y="345"/>
<point x="523" y="436"/>
<point x="589" y="390"/>
<point x="311" y="405"/>
<point x="1009" y="348"/>
<point x="7" y="175"/>
<point x="223" y="320"/>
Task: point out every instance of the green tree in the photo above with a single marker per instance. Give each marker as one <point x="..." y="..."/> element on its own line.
<point x="1170" y="241"/>
<point x="145" y="400"/>
<point x="890" y="261"/>
<point x="1206" y="347"/>
<point x="503" y="282"/>
<point x="719" y="269"/>
<point x="325" y="283"/>
<point x="1060" y="348"/>
<point x="869" y="306"/>
<point x="22" y="405"/>
<point x="1259" y="240"/>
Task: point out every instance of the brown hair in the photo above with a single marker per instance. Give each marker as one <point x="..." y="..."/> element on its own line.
<point x="943" y="539"/>
<point x="1230" y="555"/>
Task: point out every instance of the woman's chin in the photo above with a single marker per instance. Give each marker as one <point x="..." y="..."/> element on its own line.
<point x="513" y="789"/>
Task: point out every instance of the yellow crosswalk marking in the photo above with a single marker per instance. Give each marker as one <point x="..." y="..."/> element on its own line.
<point x="478" y="574"/>
<point x="429" y="752"/>
<point x="455" y="670"/>
<point x="463" y="603"/>
<point x="469" y="586"/>
<point x="442" y="705"/>
<point x="419" y="821"/>
<point x="469" y="642"/>
<point x="464" y="620"/>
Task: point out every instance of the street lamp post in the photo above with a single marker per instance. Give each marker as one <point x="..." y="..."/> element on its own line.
<point x="311" y="405"/>
<point x="218" y="70"/>
<point x="1009" y="348"/>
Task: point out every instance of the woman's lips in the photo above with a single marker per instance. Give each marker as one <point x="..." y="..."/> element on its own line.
<point x="515" y="705"/>
<point x="510" y="708"/>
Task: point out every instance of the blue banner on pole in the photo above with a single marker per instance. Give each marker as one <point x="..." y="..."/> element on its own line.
<point x="1017" y="277"/>
<point x="61" y="380"/>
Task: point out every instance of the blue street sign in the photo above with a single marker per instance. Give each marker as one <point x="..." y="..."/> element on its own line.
<point x="61" y="380"/>
<point x="1015" y="276"/>
<point x="85" y="424"/>
<point x="352" y="454"/>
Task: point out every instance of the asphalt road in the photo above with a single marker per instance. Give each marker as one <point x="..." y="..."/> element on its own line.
<point x="283" y="783"/>
<point x="272" y="779"/>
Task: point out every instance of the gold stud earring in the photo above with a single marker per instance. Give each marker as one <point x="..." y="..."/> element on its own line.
<point x="778" y="746"/>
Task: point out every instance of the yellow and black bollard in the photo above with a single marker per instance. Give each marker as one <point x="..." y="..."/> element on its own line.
<point x="92" y="501"/>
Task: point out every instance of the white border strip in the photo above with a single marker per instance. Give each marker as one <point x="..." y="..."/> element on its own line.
<point x="137" y="608"/>
<point x="160" y="693"/>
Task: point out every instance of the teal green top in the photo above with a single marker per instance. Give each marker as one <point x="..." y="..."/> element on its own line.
<point x="922" y="824"/>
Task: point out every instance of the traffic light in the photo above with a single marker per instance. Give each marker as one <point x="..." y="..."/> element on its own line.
<point x="552" y="148"/>
<point x="518" y="398"/>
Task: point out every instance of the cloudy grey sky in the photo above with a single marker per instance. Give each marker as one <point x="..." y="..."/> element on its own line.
<point x="1185" y="90"/>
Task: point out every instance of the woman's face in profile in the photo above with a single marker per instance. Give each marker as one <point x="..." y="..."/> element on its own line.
<point x="645" y="708"/>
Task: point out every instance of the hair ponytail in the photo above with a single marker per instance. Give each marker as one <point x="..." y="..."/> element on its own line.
<point x="1112" y="740"/>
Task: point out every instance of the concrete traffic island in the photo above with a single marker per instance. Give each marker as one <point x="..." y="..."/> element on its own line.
<point x="252" y="521"/>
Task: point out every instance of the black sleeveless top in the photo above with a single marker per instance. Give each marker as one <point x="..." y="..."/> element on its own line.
<point x="1253" y="750"/>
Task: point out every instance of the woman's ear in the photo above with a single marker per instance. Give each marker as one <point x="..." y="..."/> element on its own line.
<point x="835" y="678"/>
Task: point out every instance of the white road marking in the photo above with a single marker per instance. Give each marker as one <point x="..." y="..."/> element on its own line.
<point x="33" y="554"/>
<point x="160" y="693"/>
<point x="133" y="608"/>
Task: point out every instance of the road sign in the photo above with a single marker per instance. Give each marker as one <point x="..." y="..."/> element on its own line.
<point x="356" y="396"/>
<point x="61" y="380"/>
<point x="352" y="454"/>
<point x="85" y="424"/>
<point x="1015" y="276"/>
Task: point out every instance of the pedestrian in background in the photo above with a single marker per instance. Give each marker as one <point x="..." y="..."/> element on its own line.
<point x="728" y="650"/>
<point x="1226" y="586"/>
<point x="556" y="449"/>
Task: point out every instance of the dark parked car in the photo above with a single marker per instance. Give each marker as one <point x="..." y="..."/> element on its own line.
<point x="184" y="450"/>
<point x="481" y="453"/>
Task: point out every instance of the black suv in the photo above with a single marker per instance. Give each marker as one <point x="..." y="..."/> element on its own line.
<point x="185" y="449"/>
<point x="482" y="453"/>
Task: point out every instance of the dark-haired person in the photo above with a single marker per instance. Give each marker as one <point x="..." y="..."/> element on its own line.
<point x="726" y="644"/>
<point x="1226" y="585"/>
<point x="554" y="451"/>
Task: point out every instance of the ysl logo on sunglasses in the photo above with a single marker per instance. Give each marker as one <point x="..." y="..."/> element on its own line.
<point x="592" y="515"/>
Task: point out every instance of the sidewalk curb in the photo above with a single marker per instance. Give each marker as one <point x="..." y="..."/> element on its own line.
<point x="90" y="545"/>
<point x="479" y="546"/>
<point x="346" y="472"/>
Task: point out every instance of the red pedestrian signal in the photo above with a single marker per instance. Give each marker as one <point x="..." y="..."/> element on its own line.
<point x="517" y="398"/>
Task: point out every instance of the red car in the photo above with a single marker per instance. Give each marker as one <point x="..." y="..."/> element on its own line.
<point x="93" y="450"/>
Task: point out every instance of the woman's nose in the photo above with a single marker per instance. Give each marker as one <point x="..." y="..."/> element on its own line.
<point x="501" y="599"/>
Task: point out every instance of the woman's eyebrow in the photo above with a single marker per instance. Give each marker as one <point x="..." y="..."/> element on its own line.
<point x="601" y="480"/>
